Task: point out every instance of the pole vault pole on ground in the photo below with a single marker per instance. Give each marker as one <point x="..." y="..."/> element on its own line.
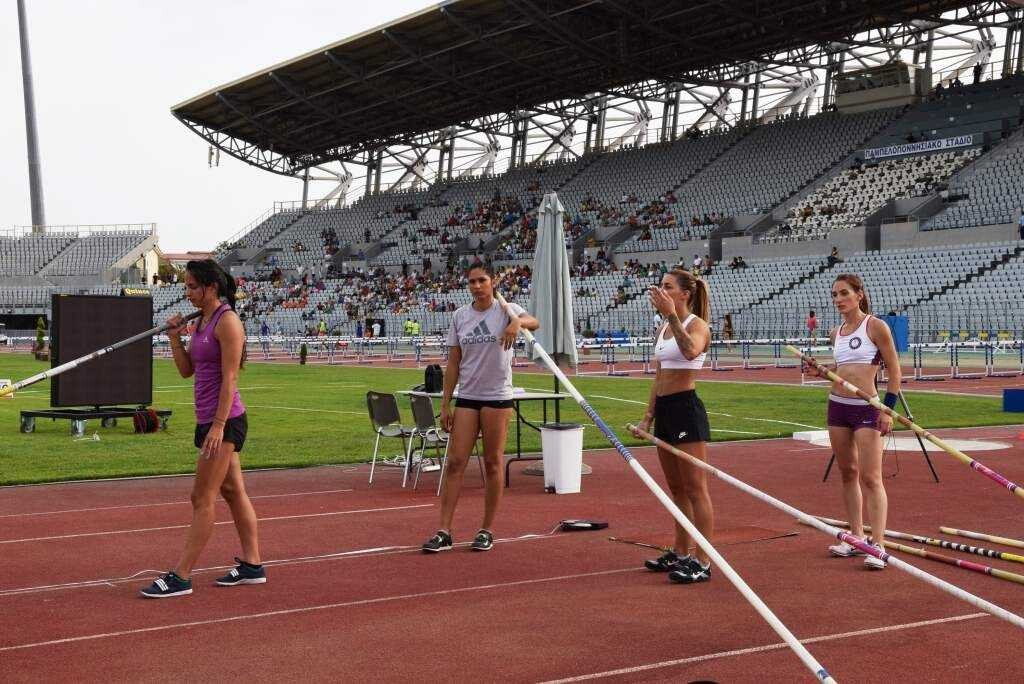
<point x="755" y="601"/>
<point x="839" y="534"/>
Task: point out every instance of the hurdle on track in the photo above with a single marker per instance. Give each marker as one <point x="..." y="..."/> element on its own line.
<point x="989" y="365"/>
<point x="607" y="353"/>
<point x="807" y="378"/>
<point x="745" y="358"/>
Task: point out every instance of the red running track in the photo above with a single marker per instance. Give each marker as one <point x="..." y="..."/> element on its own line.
<point x="536" y="608"/>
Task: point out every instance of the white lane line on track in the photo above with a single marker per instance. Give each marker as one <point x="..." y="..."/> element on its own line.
<point x="766" y="420"/>
<point x="317" y="608"/>
<point x="222" y="522"/>
<point x="766" y="647"/>
<point x="337" y="555"/>
<point x="163" y="503"/>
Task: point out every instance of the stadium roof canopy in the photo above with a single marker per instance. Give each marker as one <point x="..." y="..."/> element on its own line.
<point x="455" y="62"/>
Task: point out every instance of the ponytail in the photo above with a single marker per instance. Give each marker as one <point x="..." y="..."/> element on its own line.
<point x="228" y="287"/>
<point x="209" y="272"/>
<point x="700" y="299"/>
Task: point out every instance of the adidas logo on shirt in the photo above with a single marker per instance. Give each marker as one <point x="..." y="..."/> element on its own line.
<point x="480" y="334"/>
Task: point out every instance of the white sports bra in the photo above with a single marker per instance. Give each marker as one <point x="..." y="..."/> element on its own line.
<point x="856" y="347"/>
<point x="669" y="355"/>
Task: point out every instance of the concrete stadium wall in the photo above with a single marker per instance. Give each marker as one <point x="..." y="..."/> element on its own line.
<point x="904" y="235"/>
<point x="852" y="240"/>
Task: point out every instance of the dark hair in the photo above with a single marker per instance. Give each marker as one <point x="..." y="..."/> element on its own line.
<point x="483" y="267"/>
<point x="857" y="284"/>
<point x="700" y="302"/>
<point x="209" y="272"/>
<point x="812" y="313"/>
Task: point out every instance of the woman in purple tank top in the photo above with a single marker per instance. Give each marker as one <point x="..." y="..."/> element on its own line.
<point x="215" y="354"/>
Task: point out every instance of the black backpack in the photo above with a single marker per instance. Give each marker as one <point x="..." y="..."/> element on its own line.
<point x="433" y="378"/>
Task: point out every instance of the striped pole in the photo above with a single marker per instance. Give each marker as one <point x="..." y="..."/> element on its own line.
<point x="960" y="563"/>
<point x="1005" y="541"/>
<point x="75" y="363"/>
<point x="839" y="534"/>
<point x="873" y="400"/>
<point x="942" y="543"/>
<point x="755" y="601"/>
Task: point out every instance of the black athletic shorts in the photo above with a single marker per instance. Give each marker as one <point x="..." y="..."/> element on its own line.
<point x="477" y="404"/>
<point x="681" y="417"/>
<point x="235" y="430"/>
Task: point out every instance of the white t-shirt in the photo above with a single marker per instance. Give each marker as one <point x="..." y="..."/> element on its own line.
<point x="485" y="373"/>
<point x="376" y="329"/>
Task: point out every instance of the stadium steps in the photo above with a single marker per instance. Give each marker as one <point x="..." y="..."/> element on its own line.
<point x="265" y="251"/>
<point x="56" y="256"/>
<point x="981" y="271"/>
<point x="992" y="156"/>
<point x="779" y="211"/>
<point x="809" y="275"/>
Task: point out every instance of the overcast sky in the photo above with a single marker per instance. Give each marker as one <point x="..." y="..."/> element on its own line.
<point x="106" y="75"/>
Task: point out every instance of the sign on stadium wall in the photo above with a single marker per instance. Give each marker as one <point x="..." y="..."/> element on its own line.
<point x="918" y="147"/>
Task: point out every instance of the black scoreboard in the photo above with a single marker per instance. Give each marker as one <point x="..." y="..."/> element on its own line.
<point x="81" y="324"/>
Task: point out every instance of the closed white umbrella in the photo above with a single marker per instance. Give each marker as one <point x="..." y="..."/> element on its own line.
<point x="551" y="287"/>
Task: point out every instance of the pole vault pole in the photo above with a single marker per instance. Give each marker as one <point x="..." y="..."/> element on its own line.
<point x="755" y="601"/>
<point x="75" y="363"/>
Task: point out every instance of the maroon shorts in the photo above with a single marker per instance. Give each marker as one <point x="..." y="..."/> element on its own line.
<point x="852" y="413"/>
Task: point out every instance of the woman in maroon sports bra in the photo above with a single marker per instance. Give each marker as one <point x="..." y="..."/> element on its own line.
<point x="855" y="428"/>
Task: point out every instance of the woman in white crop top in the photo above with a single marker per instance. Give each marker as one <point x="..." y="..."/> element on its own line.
<point x="855" y="427"/>
<point x="679" y="415"/>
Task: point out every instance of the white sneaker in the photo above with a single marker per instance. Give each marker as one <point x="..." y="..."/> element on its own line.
<point x="844" y="550"/>
<point x="872" y="562"/>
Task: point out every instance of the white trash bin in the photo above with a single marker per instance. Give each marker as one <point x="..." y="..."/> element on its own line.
<point x="562" y="448"/>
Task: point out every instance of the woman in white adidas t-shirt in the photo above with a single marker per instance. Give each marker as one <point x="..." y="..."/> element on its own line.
<point x="479" y="344"/>
<point x="679" y="415"/>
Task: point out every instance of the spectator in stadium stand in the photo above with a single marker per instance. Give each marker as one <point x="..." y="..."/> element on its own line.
<point x="679" y="415"/>
<point x="727" y="330"/>
<point x="708" y="265"/>
<point x="697" y="262"/>
<point x="833" y="257"/>
<point x="1020" y="223"/>
<point x="812" y="324"/>
<point x="359" y="329"/>
<point x="480" y="342"/>
<point x="376" y="328"/>
<point x="214" y="356"/>
<point x="855" y="427"/>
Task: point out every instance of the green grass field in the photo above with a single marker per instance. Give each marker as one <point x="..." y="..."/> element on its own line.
<point x="307" y="415"/>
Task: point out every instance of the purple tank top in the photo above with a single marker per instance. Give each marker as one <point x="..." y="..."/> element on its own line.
<point x="204" y="350"/>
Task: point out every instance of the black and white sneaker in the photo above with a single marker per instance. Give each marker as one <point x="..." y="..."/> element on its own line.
<point x="691" y="573"/>
<point x="442" y="541"/>
<point x="245" y="573"/>
<point x="483" y="541"/>
<point x="666" y="562"/>
<point x="168" y="586"/>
